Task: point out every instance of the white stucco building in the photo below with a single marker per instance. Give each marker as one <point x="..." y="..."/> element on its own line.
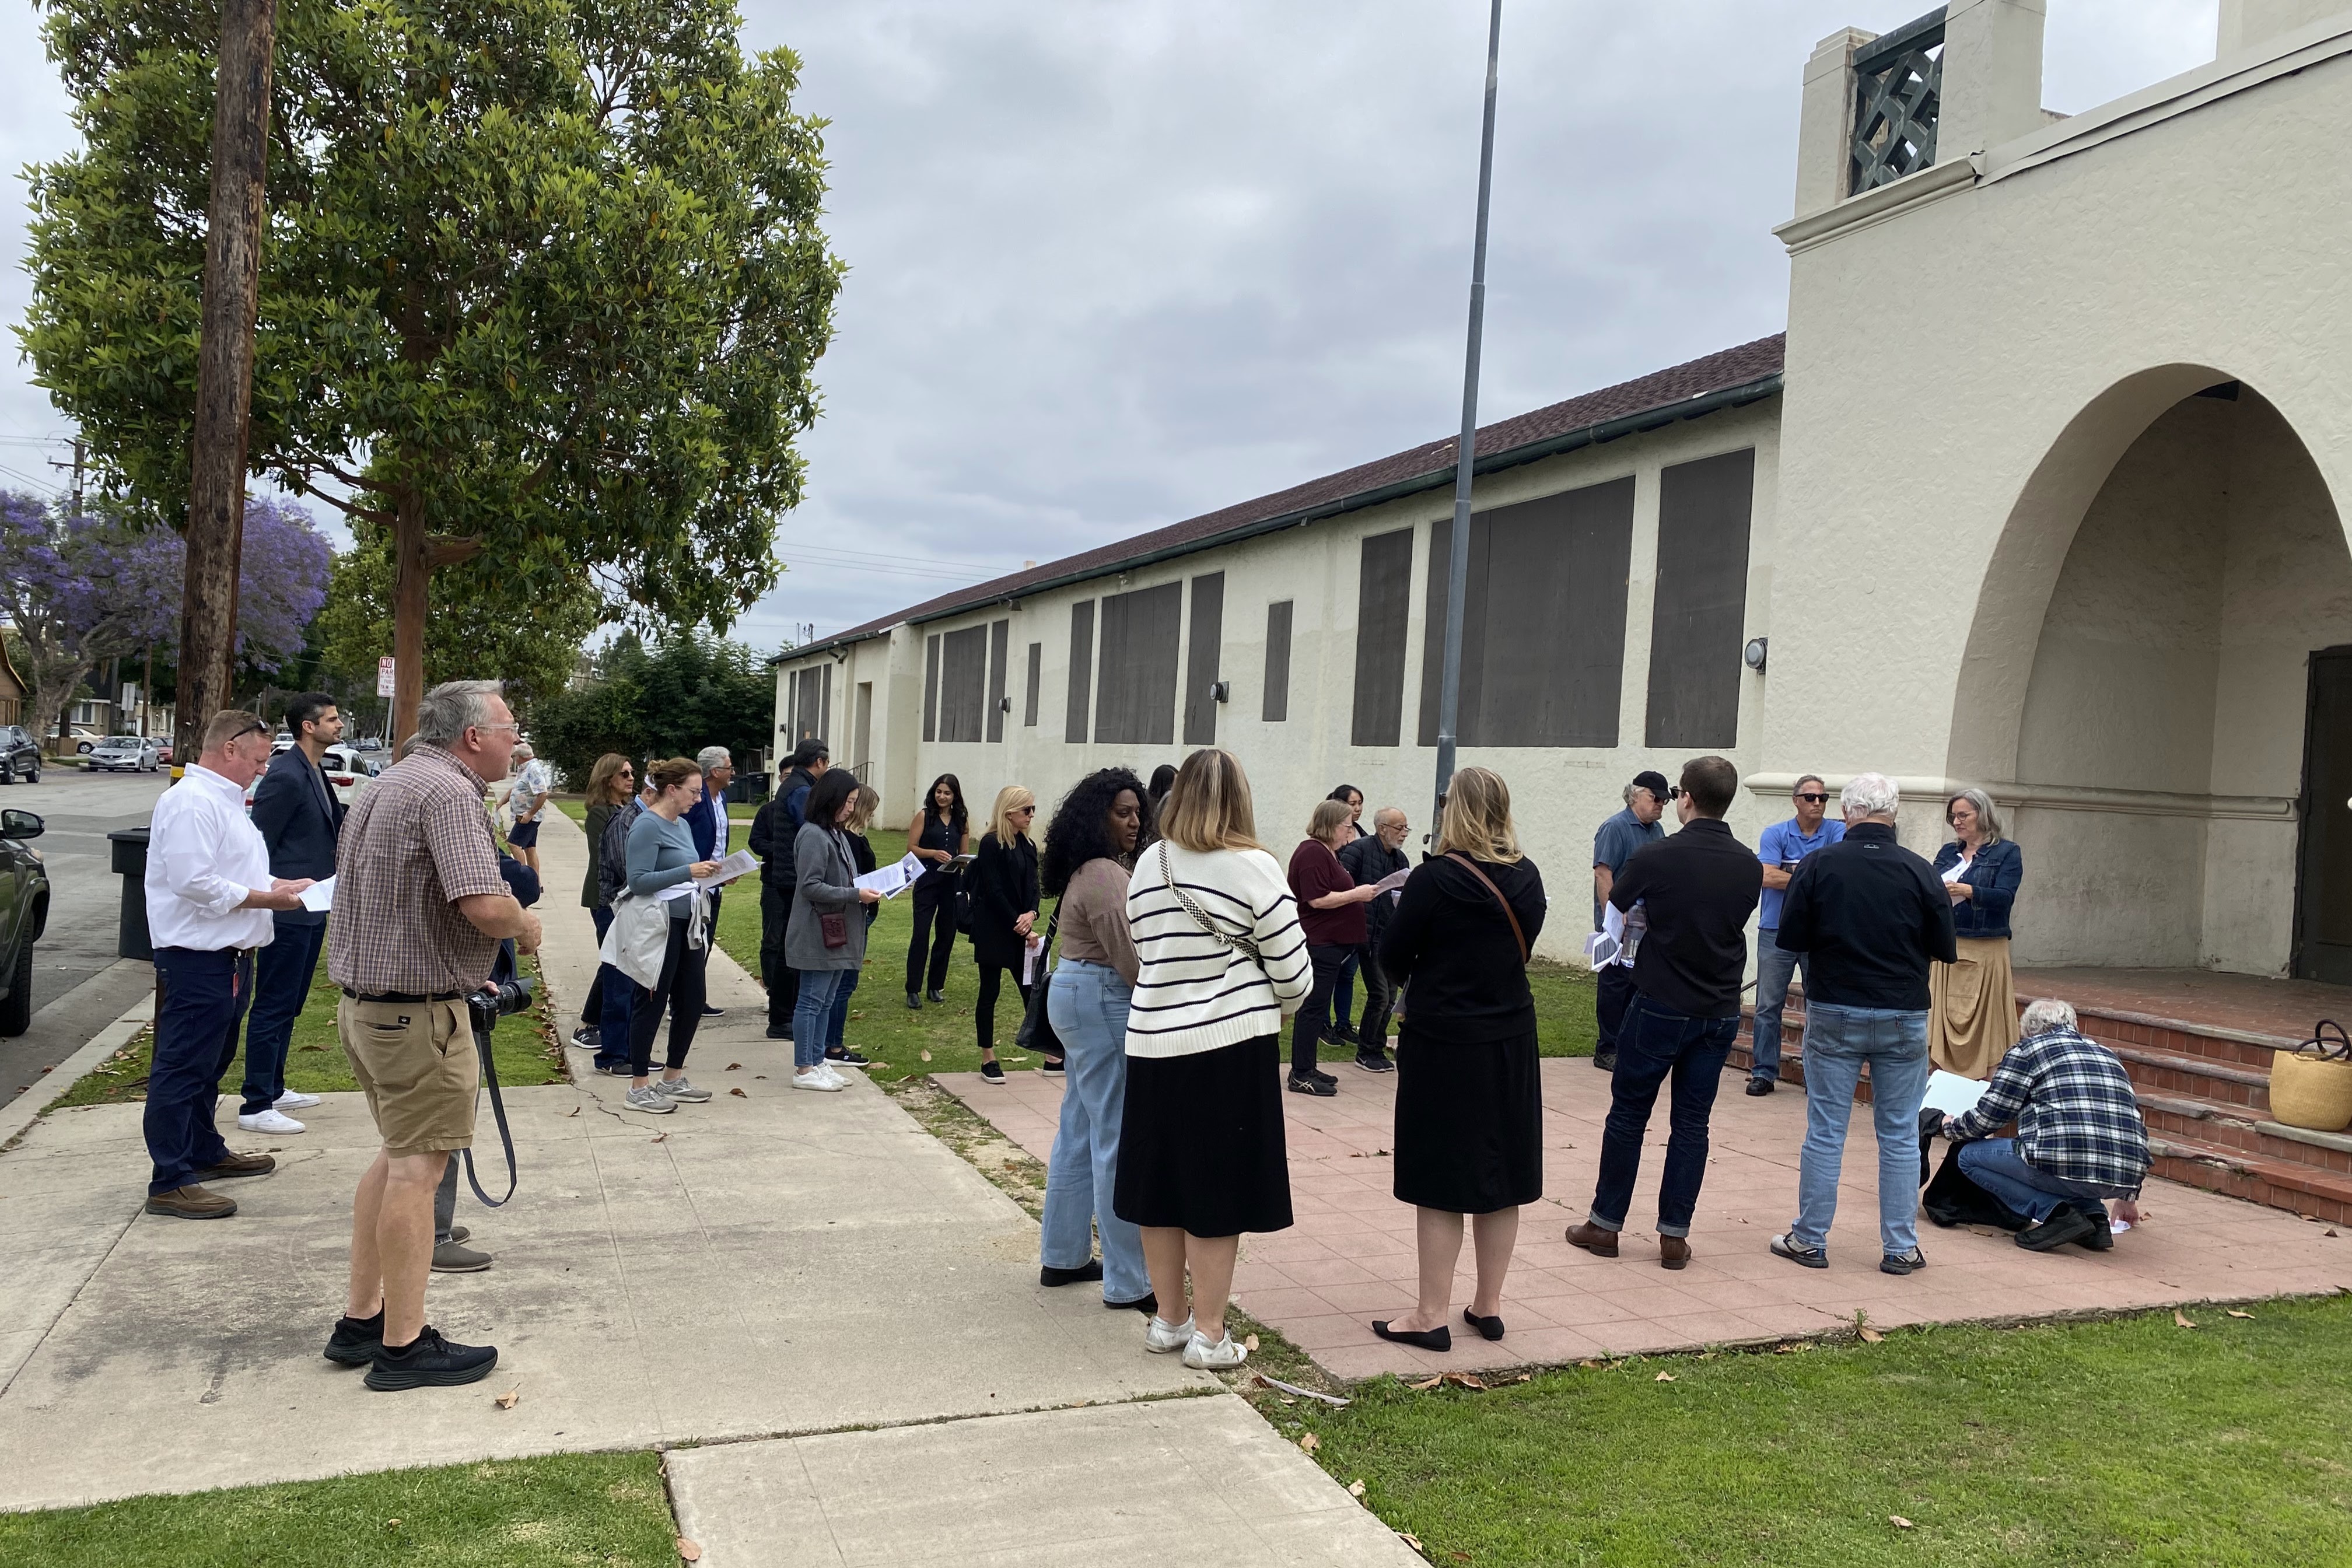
<point x="2040" y="491"/>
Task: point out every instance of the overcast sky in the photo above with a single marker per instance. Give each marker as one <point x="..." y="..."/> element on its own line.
<point x="1117" y="262"/>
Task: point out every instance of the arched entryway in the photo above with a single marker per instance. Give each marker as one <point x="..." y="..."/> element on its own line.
<point x="2141" y="679"/>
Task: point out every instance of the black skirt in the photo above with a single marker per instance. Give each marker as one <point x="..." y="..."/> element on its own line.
<point x="1200" y="1141"/>
<point x="1469" y="1122"/>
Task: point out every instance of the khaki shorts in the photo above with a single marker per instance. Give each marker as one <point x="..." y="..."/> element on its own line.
<point x="417" y="1064"/>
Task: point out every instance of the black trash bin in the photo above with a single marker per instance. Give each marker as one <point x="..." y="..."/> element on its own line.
<point x="130" y="939"/>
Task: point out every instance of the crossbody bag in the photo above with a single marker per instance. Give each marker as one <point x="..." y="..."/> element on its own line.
<point x="1245" y="946"/>
<point x="1487" y="882"/>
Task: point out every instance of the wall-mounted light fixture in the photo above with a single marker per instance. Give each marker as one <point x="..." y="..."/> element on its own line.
<point x="1221" y="691"/>
<point x="1004" y="705"/>
<point x="1754" y="655"/>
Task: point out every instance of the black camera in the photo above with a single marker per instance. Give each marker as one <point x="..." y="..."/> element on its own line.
<point x="497" y="998"/>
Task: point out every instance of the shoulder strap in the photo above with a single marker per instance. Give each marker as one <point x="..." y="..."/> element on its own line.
<point x="1487" y="882"/>
<point x="1201" y="917"/>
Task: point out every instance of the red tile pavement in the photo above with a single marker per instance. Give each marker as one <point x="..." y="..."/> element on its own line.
<point x="2280" y="1009"/>
<point x="1350" y="1257"/>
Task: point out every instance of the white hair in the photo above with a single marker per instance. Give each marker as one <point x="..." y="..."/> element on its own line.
<point x="2044" y="1015"/>
<point x="711" y="757"/>
<point x="452" y="708"/>
<point x="1387" y="812"/>
<point x="1987" y="814"/>
<point x="1869" y="795"/>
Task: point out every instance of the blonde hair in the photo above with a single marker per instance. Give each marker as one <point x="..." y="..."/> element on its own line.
<point x="1477" y="818"/>
<point x="1208" y="807"/>
<point x="869" y="801"/>
<point x="673" y="773"/>
<point x="1328" y="816"/>
<point x="1987" y="814"/>
<point x="1009" y="799"/>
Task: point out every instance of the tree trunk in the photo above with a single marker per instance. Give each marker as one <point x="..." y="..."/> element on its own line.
<point x="147" y="690"/>
<point x="411" y="574"/>
<point x="225" y="368"/>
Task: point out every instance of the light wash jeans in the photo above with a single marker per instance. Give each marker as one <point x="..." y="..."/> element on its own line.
<point x="1838" y="1041"/>
<point x="1994" y="1164"/>
<point x="1087" y="1003"/>
<point x="813" y="1014"/>
<point x="1774" y="965"/>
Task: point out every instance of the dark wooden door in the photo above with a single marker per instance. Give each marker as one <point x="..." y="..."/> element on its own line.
<point x="2324" y="870"/>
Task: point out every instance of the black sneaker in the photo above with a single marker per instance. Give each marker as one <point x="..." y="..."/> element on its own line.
<point x="1909" y="1262"/>
<point x="710" y="1011"/>
<point x="430" y="1362"/>
<point x="588" y="1038"/>
<point x="914" y="1001"/>
<point x="1345" y="1035"/>
<point x="1759" y="1086"/>
<point x="1047" y="1275"/>
<point x="849" y="1057"/>
<point x="2065" y="1224"/>
<point x="990" y="1072"/>
<point x="780" y="1031"/>
<point x="356" y="1341"/>
<point x="2102" y="1236"/>
<point x="1373" y="1061"/>
<point x="617" y="1069"/>
<point x="935" y="995"/>
<point x="1053" y="1065"/>
<point x="1605" y="1060"/>
<point x="1322" y="1085"/>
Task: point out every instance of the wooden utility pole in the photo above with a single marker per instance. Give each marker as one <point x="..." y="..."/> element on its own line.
<point x="225" y="368"/>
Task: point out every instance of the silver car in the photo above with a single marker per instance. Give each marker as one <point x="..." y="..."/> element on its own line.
<point x="125" y="754"/>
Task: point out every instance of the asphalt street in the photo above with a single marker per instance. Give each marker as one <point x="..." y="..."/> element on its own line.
<point x="78" y="984"/>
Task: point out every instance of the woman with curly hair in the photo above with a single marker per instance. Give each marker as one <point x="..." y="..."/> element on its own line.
<point x="1089" y="855"/>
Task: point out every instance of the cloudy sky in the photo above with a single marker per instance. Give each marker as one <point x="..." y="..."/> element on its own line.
<point x="1117" y="262"/>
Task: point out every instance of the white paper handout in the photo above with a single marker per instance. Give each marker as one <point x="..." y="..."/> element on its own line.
<point x="1393" y="880"/>
<point x="1950" y="1093"/>
<point x="734" y="866"/>
<point x="1032" y="953"/>
<point x="319" y="896"/>
<point x="894" y="878"/>
<point x="1955" y="871"/>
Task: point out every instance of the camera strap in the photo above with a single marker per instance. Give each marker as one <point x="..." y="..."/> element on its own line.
<point x="499" y="1112"/>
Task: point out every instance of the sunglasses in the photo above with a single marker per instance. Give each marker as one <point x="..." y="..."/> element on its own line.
<point x="257" y="727"/>
<point x="1813" y="799"/>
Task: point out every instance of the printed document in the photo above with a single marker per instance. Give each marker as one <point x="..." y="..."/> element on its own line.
<point x="894" y="878"/>
<point x="319" y="896"/>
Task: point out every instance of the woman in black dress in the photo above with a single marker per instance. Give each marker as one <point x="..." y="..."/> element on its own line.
<point x="1004" y="909"/>
<point x="940" y="832"/>
<point x="1469" y="1108"/>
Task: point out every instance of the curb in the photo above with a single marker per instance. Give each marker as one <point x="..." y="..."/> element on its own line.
<point x="27" y="1110"/>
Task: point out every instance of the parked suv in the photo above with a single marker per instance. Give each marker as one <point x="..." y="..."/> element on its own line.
<point x="20" y="755"/>
<point x="24" y="915"/>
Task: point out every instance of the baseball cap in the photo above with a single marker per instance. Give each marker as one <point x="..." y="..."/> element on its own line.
<point x="1652" y="780"/>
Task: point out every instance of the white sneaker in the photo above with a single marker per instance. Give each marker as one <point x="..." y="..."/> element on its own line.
<point x="292" y="1101"/>
<point x="817" y="1079"/>
<point x="840" y="1080"/>
<point x="1160" y="1338"/>
<point x="1222" y="1356"/>
<point x="267" y="1122"/>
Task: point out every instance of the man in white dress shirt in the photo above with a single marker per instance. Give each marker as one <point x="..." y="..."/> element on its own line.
<point x="209" y="898"/>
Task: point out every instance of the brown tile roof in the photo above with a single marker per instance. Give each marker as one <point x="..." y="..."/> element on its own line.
<point x="1734" y="376"/>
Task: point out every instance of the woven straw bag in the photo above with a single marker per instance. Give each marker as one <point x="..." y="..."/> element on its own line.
<point x="2311" y="1085"/>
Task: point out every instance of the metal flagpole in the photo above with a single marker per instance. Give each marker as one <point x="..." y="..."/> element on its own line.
<point x="1449" y="697"/>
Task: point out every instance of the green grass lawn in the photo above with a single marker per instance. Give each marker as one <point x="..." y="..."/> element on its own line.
<point x="608" y="1509"/>
<point x="2127" y="1441"/>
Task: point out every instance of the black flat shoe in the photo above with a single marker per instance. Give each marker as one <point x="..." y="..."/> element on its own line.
<point x="1490" y="1328"/>
<point x="935" y="995"/>
<point x="1439" y="1337"/>
<point x="1605" y="1060"/>
<point x="1147" y="1302"/>
<point x="914" y="1001"/>
<point x="1050" y="1275"/>
<point x="1759" y="1086"/>
<point x="2065" y="1224"/>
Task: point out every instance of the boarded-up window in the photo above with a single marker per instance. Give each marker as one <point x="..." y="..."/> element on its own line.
<point x="1277" y="664"/>
<point x="1036" y="678"/>
<point x="1082" y="673"/>
<point x="1200" y="655"/>
<point x="1699" y="615"/>
<point x="932" y="686"/>
<point x="1543" y="621"/>
<point x="963" y="678"/>
<point x="1383" y="607"/>
<point x="1000" y="644"/>
<point x="1135" y="702"/>
<point x="807" y="698"/>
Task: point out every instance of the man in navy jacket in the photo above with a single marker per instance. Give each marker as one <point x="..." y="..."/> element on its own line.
<point x="300" y="818"/>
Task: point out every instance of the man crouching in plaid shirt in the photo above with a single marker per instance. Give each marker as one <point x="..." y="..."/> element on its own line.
<point x="2080" y="1138"/>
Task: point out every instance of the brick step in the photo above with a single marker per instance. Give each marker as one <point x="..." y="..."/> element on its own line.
<point x="2177" y="1073"/>
<point x="2233" y="1127"/>
<point x="2287" y="1185"/>
<point x="2116" y="1029"/>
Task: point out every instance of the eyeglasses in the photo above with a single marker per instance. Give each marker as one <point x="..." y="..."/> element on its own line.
<point x="1813" y="799"/>
<point x="254" y="727"/>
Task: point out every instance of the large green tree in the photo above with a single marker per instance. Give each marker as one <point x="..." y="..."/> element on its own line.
<point x="671" y="699"/>
<point x="543" y="281"/>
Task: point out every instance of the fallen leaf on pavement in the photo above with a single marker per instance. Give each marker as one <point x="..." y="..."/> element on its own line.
<point x="573" y="1112"/>
<point x="1410" y="1539"/>
<point x="507" y="1401"/>
<point x="1460" y="1379"/>
<point x="661" y="1137"/>
<point x="1898" y="1522"/>
<point x="2235" y="1313"/>
<point x="734" y="1067"/>
<point x="1664" y="1377"/>
<point x="1250" y="1343"/>
<point x="1310" y="1443"/>
<point x="1870" y="1336"/>
<point x="2180" y="1318"/>
<point x="689" y="1549"/>
<point x="1425" y="1384"/>
<point x="1356" y="1489"/>
<point x="739" y="1094"/>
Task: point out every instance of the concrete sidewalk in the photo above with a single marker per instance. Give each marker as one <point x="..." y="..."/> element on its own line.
<point x="771" y="1263"/>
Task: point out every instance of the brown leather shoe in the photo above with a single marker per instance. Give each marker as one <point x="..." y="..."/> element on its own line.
<point x="1673" y="1252"/>
<point x="1593" y="1239"/>
<point x="192" y="1203"/>
<point x="238" y="1165"/>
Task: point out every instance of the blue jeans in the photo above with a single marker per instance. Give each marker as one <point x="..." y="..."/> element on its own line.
<point x="1653" y="1043"/>
<point x="616" y="997"/>
<point x="204" y="997"/>
<point x="282" y="974"/>
<point x="1087" y="1006"/>
<point x="1838" y="1041"/>
<point x="1774" y="965"/>
<point x="1995" y="1165"/>
<point x="840" y="1019"/>
<point x="813" y="1013"/>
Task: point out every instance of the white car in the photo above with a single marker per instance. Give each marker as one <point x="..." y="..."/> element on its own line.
<point x="125" y="754"/>
<point x="349" y="771"/>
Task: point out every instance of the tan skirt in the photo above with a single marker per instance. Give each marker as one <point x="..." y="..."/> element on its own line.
<point x="1972" y="1008"/>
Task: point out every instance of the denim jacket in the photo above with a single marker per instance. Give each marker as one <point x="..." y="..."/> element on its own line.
<point x="1998" y="869"/>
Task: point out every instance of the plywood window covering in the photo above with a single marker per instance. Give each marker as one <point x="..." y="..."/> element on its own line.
<point x="1543" y="620"/>
<point x="1000" y="642"/>
<point x="963" y="680"/>
<point x="1699" y="614"/>
<point x="1201" y="658"/>
<point x="1135" y="697"/>
<point x="1082" y="673"/>
<point x="1277" y="705"/>
<point x="809" y="697"/>
<point x="1036" y="678"/>
<point x="1383" y="609"/>
<point x="932" y="686"/>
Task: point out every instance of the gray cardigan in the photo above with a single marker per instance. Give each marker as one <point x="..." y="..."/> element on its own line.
<point x="825" y="873"/>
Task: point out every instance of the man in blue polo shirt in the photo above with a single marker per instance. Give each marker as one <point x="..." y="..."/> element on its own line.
<point x="1634" y="827"/>
<point x="1784" y="844"/>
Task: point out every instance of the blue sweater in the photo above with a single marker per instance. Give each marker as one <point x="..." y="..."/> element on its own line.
<point x="1995" y="874"/>
<point x="661" y="854"/>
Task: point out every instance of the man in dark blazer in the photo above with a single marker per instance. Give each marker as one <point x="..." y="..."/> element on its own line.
<point x="300" y="818"/>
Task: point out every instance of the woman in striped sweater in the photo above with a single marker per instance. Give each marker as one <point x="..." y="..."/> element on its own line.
<point x="1221" y="959"/>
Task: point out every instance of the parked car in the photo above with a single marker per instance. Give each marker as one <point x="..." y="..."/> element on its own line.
<point x="24" y="915"/>
<point x="84" y="741"/>
<point x="20" y="755"/>
<point x="125" y="754"/>
<point x="284" y="742"/>
<point x="163" y="750"/>
<point x="350" y="771"/>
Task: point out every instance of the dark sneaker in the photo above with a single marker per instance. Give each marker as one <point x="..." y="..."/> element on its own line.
<point x="1759" y="1086"/>
<point x="356" y="1341"/>
<point x="1605" y="1060"/>
<point x="1909" y="1262"/>
<point x="460" y="1233"/>
<point x="1345" y="1035"/>
<point x="588" y="1038"/>
<point x="2065" y="1224"/>
<point x="1147" y="1302"/>
<point x="1053" y="1065"/>
<point x="1373" y="1061"/>
<point x="2102" y="1236"/>
<point x="1320" y="1085"/>
<point x="1787" y="1246"/>
<point x="710" y="1011"/>
<point x="780" y="1031"/>
<point x="617" y="1069"/>
<point x="935" y="995"/>
<point x="239" y="1166"/>
<point x="192" y="1203"/>
<point x="449" y="1257"/>
<point x="914" y="1001"/>
<point x="990" y="1072"/>
<point x="848" y="1058"/>
<point x="430" y="1362"/>
<point x="1047" y="1275"/>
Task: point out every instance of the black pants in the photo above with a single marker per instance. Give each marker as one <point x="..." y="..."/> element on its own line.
<point x="592" y="1006"/>
<point x="1379" y="999"/>
<point x="679" y="991"/>
<point x="782" y="981"/>
<point x="983" y="1012"/>
<point x="1613" y="995"/>
<point x="204" y="997"/>
<point x="1314" y="1019"/>
<point x="934" y="919"/>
